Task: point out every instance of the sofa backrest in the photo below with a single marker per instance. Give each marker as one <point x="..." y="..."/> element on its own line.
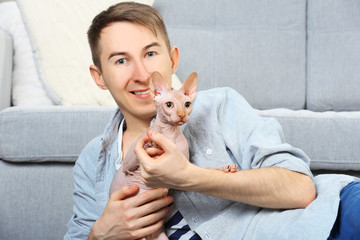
<point x="257" y="48"/>
<point x="333" y="76"/>
<point x="292" y="54"/>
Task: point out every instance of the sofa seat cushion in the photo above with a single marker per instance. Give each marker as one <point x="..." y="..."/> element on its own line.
<point x="54" y="133"/>
<point x="330" y="139"/>
<point x="36" y="200"/>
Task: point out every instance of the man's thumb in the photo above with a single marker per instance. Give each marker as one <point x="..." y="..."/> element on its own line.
<point x="159" y="139"/>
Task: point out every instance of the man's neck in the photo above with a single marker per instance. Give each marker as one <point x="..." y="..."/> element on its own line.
<point x="136" y="125"/>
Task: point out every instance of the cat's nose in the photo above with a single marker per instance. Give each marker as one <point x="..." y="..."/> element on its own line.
<point x="181" y="113"/>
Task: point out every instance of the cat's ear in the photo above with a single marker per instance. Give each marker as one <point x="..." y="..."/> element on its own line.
<point x="157" y="84"/>
<point x="189" y="86"/>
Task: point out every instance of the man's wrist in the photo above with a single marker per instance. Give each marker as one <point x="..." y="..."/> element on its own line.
<point x="192" y="176"/>
<point x="92" y="234"/>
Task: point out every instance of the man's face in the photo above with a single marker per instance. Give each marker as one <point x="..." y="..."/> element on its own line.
<point x="129" y="54"/>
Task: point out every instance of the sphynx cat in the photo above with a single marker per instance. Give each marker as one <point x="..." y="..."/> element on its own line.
<point x="173" y="110"/>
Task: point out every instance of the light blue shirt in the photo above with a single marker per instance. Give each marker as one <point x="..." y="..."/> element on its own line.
<point x="223" y="129"/>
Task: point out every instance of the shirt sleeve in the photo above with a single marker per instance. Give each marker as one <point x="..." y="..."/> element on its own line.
<point x="260" y="142"/>
<point x="85" y="210"/>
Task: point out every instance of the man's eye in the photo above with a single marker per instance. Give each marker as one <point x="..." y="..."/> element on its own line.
<point x="151" y="54"/>
<point x="121" y="61"/>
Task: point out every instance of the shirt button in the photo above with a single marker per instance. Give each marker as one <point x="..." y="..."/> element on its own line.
<point x="208" y="151"/>
<point x="194" y="221"/>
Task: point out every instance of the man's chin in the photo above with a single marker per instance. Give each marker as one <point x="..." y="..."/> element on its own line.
<point x="149" y="113"/>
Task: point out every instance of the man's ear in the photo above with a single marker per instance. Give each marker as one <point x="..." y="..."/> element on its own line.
<point x="97" y="77"/>
<point x="174" y="56"/>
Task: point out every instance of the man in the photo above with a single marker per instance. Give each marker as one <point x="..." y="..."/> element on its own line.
<point x="129" y="42"/>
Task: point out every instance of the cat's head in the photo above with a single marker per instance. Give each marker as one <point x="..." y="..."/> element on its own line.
<point x="173" y="106"/>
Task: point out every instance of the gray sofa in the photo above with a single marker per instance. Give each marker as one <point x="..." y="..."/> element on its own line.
<point x="295" y="60"/>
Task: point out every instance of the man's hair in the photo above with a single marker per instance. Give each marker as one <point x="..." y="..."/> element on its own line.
<point x="130" y="12"/>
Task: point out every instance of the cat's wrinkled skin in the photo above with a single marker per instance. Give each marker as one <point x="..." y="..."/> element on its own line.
<point x="173" y="110"/>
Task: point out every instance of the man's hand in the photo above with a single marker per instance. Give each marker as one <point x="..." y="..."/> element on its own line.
<point x="132" y="217"/>
<point x="164" y="166"/>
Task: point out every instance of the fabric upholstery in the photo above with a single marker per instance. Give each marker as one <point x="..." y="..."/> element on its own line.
<point x="61" y="51"/>
<point x="36" y="201"/>
<point x="256" y="47"/>
<point x="5" y="69"/>
<point x="55" y="133"/>
<point x="333" y="55"/>
<point x="330" y="139"/>
<point x="27" y="89"/>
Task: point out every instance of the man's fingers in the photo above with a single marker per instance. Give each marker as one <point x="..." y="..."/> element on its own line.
<point x="150" y="196"/>
<point x="160" y="140"/>
<point x="124" y="192"/>
<point x="152" y="217"/>
<point x="155" y="206"/>
<point x="163" y="145"/>
<point x="139" y="147"/>
<point x="148" y="230"/>
<point x="153" y="152"/>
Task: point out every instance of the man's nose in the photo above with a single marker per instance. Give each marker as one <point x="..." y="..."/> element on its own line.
<point x="141" y="74"/>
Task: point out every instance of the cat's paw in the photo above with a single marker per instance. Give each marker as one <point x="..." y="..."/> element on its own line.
<point x="231" y="168"/>
<point x="149" y="144"/>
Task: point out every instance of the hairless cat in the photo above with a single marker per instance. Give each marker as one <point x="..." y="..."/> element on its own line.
<point x="173" y="110"/>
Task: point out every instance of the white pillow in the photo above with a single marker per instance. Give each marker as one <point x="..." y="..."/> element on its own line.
<point x="57" y="30"/>
<point x="26" y="87"/>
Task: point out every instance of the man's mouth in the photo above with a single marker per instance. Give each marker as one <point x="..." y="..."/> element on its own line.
<point x="141" y="92"/>
<point x="145" y="94"/>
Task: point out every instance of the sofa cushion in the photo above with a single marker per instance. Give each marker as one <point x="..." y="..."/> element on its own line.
<point x="333" y="55"/>
<point x="54" y="133"/>
<point x="256" y="47"/>
<point x="330" y="139"/>
<point x="26" y="86"/>
<point x="36" y="200"/>
<point x="5" y="69"/>
<point x="57" y="30"/>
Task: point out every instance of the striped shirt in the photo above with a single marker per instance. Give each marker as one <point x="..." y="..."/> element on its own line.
<point x="177" y="228"/>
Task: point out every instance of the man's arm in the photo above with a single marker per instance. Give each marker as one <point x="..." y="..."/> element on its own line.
<point x="125" y="216"/>
<point x="270" y="187"/>
<point x="265" y="187"/>
<point x="85" y="210"/>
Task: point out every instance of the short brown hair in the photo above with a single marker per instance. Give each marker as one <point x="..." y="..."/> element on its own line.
<point x="131" y="12"/>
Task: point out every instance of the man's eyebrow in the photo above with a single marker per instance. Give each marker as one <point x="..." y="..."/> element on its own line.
<point x="115" y="54"/>
<point x="153" y="44"/>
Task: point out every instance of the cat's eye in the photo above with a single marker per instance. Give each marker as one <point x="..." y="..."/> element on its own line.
<point x="187" y="104"/>
<point x="169" y="104"/>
